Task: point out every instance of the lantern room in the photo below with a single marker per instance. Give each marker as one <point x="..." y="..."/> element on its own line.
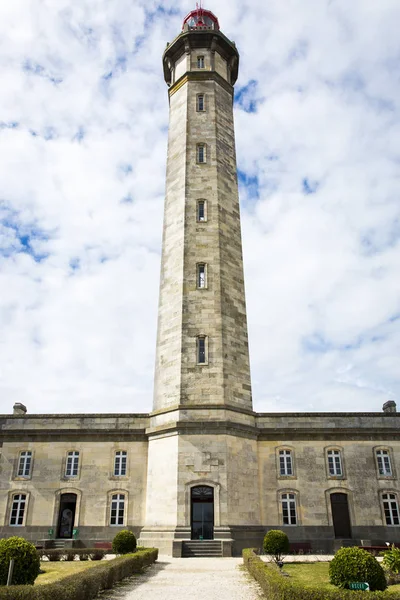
<point x="200" y="19"/>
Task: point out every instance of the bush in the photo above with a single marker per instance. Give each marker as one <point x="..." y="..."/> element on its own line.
<point x="124" y="542"/>
<point x="27" y="561"/>
<point x="391" y="560"/>
<point x="277" y="587"/>
<point x="355" y="564"/>
<point x="276" y="543"/>
<point x="87" y="584"/>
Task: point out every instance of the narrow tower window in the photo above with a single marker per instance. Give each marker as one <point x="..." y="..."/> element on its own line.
<point x="200" y="103"/>
<point x="201" y="275"/>
<point x="24" y="467"/>
<point x="200" y="62"/>
<point x="201" y="350"/>
<point x="201" y="153"/>
<point x="201" y="210"/>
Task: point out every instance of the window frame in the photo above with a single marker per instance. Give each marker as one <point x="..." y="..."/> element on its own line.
<point x="121" y="455"/>
<point x="395" y="500"/>
<point x="199" y="339"/>
<point x="333" y="449"/>
<point x="203" y="100"/>
<point x="290" y="452"/>
<point x="201" y="61"/>
<point x="22" y="459"/>
<point x="295" y="499"/>
<point x="203" y="202"/>
<point x="201" y="276"/>
<point x="201" y="146"/>
<point x="12" y="500"/>
<point x="378" y="452"/>
<point x="117" y="494"/>
<point x="73" y="454"/>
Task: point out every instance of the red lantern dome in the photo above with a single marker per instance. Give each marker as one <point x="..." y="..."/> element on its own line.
<point x="201" y="19"/>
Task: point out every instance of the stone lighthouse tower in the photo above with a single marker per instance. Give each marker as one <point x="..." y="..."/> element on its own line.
<point x="202" y="462"/>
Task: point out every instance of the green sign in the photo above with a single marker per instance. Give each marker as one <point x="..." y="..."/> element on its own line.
<point x="75" y="533"/>
<point x="359" y="585"/>
<point x="50" y="532"/>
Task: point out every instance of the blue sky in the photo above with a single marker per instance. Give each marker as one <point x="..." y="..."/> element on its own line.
<point x="83" y="135"/>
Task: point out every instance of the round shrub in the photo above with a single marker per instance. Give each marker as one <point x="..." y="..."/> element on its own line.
<point x="354" y="564"/>
<point x="26" y="561"/>
<point x="124" y="542"/>
<point x="276" y="543"/>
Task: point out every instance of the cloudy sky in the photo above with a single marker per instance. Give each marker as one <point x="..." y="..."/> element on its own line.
<point x="83" y="139"/>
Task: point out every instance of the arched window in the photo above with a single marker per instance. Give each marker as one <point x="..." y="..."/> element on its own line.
<point x="383" y="462"/>
<point x="117" y="513"/>
<point x="285" y="462"/>
<point x="18" y="508"/>
<point x="289" y="508"/>
<point x="25" y="463"/>
<point x="390" y="508"/>
<point x="334" y="462"/>
<point x="120" y="463"/>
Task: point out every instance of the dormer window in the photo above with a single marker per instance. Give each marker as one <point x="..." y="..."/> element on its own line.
<point x="200" y="62"/>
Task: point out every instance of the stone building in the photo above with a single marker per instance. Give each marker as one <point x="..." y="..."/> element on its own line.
<point x="203" y="470"/>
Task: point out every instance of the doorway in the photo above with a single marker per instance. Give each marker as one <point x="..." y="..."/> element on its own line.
<point x="67" y="515"/>
<point x="202" y="512"/>
<point x="341" y="516"/>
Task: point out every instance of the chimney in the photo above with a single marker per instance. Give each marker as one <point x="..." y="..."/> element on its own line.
<point x="389" y="407"/>
<point x="19" y="409"/>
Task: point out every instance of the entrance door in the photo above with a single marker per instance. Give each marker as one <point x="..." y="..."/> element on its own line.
<point x="202" y="512"/>
<point x="67" y="515"/>
<point x="340" y="516"/>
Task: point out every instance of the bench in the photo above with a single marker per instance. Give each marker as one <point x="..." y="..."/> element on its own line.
<point x="103" y="545"/>
<point x="300" y="547"/>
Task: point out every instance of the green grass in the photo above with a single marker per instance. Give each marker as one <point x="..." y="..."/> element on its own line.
<point x="57" y="570"/>
<point x="317" y="575"/>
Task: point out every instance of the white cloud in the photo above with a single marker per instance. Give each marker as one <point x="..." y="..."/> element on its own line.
<point x="83" y="121"/>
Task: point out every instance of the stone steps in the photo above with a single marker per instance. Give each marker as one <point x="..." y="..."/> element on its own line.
<point x="199" y="548"/>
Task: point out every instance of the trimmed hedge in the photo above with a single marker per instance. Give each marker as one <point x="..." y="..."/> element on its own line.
<point x="86" y="584"/>
<point x="278" y="587"/>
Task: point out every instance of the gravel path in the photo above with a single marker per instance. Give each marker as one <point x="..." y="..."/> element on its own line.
<point x="194" y="578"/>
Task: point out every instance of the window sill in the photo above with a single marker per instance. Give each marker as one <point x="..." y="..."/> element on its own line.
<point x="22" y="478"/>
<point x="287" y="476"/>
<point x="119" y="477"/>
<point x="336" y="477"/>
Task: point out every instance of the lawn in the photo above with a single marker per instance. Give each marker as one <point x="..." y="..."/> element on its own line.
<point x="317" y="575"/>
<point x="58" y="570"/>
